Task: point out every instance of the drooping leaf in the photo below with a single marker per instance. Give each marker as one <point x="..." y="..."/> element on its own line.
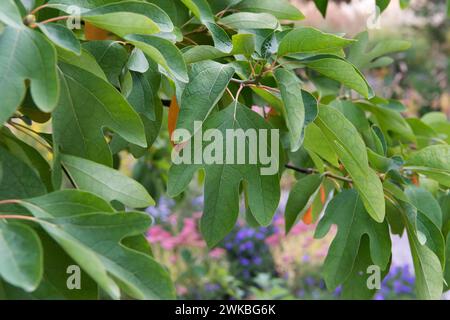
<point x="27" y="154"/>
<point x="247" y="20"/>
<point x="281" y="9"/>
<point x="243" y="43"/>
<point x="10" y="14"/>
<point x="427" y="267"/>
<point x="26" y="54"/>
<point x="149" y="10"/>
<point x="61" y="36"/>
<point x="363" y="57"/>
<point x="390" y="121"/>
<point x="294" y="108"/>
<point x="300" y="198"/>
<point x="91" y="233"/>
<point x="78" y="130"/>
<point x="137" y="61"/>
<point x="163" y="52"/>
<point x="209" y="80"/>
<point x="107" y="183"/>
<point x="349" y="146"/>
<point x="17" y="180"/>
<point x="322" y="5"/>
<point x="84" y="61"/>
<point x="202" y="10"/>
<point x="202" y="52"/>
<point x="382" y="4"/>
<point x="356" y="285"/>
<point x="111" y="57"/>
<point x="347" y="211"/>
<point x="311" y="41"/>
<point x="122" y="23"/>
<point x="223" y="176"/>
<point x="21" y="262"/>
<point x="342" y="71"/>
<point x="425" y="203"/>
<point x="433" y="162"/>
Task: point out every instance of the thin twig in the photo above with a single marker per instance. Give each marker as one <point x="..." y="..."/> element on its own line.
<point x="312" y="171"/>
<point x="22" y="217"/>
<point x="53" y="20"/>
<point x="230" y="93"/>
<point x="39" y="8"/>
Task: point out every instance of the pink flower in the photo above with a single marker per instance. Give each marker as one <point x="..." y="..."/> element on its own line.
<point x="182" y="290"/>
<point x="272" y="240"/>
<point x="217" y="253"/>
<point x="157" y="234"/>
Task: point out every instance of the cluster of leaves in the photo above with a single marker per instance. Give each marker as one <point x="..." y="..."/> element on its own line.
<point x="104" y="88"/>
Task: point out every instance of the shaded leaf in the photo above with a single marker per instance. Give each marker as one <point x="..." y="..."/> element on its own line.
<point x="107" y="183"/>
<point x="347" y="211"/>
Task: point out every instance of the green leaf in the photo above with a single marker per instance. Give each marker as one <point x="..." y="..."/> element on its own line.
<point x="84" y="61"/>
<point x="300" y="198"/>
<point x="123" y="23"/>
<point x="281" y="9"/>
<point x="26" y="54"/>
<point x="390" y="121"/>
<point x="78" y="130"/>
<point x="89" y="230"/>
<point x="149" y="10"/>
<point x="17" y="180"/>
<point x="312" y="41"/>
<point x="163" y="52"/>
<point x="364" y="57"/>
<point x="382" y="4"/>
<point x="28" y="155"/>
<point x="209" y="80"/>
<point x="223" y="179"/>
<point x="347" y="211"/>
<point x="294" y="109"/>
<point x="21" y="262"/>
<point x="244" y="44"/>
<point x="202" y="10"/>
<point x="322" y="5"/>
<point x="107" y="183"/>
<point x="174" y="9"/>
<point x="342" y="71"/>
<point x="324" y="149"/>
<point x="10" y="14"/>
<point x="355" y="287"/>
<point x="447" y="262"/>
<point x="137" y="61"/>
<point x="427" y="266"/>
<point x="349" y="146"/>
<point x="433" y="162"/>
<point x="110" y="56"/>
<point x="61" y="36"/>
<point x="425" y="203"/>
<point x="247" y="20"/>
<point x="202" y="52"/>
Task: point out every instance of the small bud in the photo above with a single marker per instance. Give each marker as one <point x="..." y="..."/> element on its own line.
<point x="30" y="20"/>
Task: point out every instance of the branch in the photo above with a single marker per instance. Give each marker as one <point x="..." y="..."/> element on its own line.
<point x="312" y="171"/>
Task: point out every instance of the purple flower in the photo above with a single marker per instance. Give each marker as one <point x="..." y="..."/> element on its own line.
<point x="257" y="261"/>
<point x="260" y="236"/>
<point x="310" y="281"/>
<point x="211" y="287"/>
<point x="244" y="261"/>
<point x="379" y="296"/>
